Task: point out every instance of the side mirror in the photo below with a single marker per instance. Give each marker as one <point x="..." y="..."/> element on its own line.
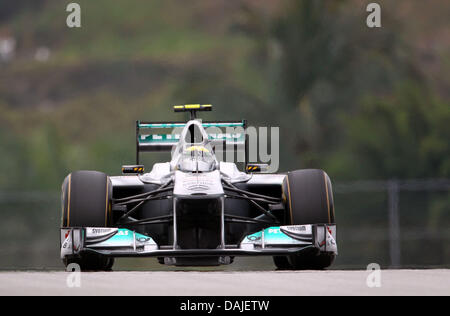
<point x="133" y="169"/>
<point x="256" y="167"/>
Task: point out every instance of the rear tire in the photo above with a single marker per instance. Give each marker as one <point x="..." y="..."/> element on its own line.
<point x="86" y="202"/>
<point x="308" y="200"/>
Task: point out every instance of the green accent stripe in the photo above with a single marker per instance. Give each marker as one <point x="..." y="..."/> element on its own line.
<point x="168" y="138"/>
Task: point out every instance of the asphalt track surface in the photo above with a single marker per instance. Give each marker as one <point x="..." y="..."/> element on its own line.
<point x="187" y="283"/>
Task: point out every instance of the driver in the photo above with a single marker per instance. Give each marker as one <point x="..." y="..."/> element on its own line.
<point x="196" y="159"/>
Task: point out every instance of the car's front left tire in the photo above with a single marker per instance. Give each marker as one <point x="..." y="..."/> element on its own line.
<point x="308" y="199"/>
<point x="86" y="202"/>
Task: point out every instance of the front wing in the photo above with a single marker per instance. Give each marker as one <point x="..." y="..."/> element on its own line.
<point x="121" y="242"/>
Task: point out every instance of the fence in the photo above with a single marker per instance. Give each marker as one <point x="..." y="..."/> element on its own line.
<point x="406" y="221"/>
<point x="393" y="223"/>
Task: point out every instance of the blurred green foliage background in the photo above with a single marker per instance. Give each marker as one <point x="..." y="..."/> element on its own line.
<point x="360" y="103"/>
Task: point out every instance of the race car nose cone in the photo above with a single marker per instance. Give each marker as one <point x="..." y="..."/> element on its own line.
<point x="208" y="183"/>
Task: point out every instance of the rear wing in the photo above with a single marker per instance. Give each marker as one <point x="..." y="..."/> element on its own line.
<point x="157" y="142"/>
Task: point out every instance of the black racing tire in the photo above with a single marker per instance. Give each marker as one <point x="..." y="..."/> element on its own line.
<point x="282" y="263"/>
<point x="91" y="262"/>
<point x="86" y="202"/>
<point x="308" y="199"/>
<point x="312" y="261"/>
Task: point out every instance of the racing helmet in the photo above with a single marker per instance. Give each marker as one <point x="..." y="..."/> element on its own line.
<point x="196" y="158"/>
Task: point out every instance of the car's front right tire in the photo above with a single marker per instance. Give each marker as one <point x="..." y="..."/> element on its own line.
<point x="86" y="202"/>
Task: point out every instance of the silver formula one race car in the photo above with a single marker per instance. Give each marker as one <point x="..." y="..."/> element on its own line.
<point x="195" y="210"/>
